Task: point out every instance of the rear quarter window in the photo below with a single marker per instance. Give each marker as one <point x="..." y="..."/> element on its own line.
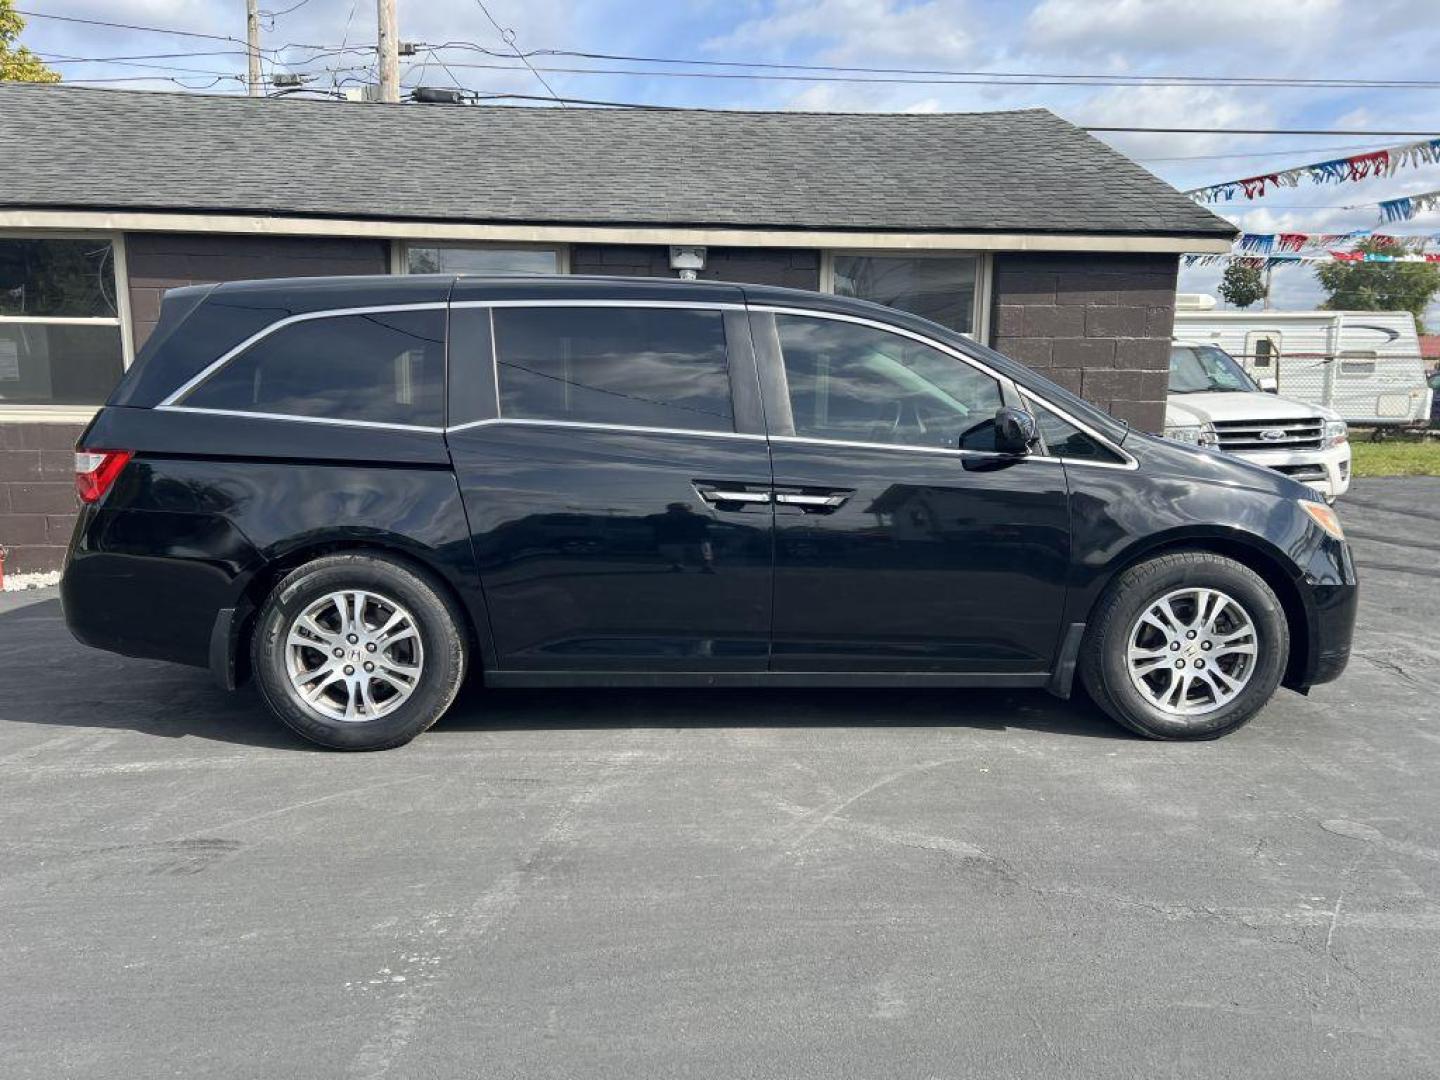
<point x="384" y="367"/>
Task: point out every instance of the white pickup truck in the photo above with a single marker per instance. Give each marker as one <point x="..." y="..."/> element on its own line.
<point x="1213" y="402"/>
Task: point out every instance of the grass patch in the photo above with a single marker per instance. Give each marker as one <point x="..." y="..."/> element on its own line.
<point x="1401" y="456"/>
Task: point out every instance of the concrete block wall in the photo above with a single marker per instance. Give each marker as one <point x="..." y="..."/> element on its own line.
<point x="37" y="494"/>
<point x="1097" y="324"/>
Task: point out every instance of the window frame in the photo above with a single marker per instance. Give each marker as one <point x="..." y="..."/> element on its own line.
<point x="777" y="392"/>
<point x="745" y="395"/>
<point x="174" y="401"/>
<point x="49" y="413"/>
<point x="400" y="252"/>
<point x="984" y="277"/>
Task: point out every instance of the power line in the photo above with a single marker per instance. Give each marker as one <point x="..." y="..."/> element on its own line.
<point x="287" y="11"/>
<point x="62" y="59"/>
<point x="157" y="30"/>
<point x="1097" y="81"/>
<point x="1252" y="131"/>
<point x="1262" y="153"/>
<point x="508" y="36"/>
<point x="1135" y="79"/>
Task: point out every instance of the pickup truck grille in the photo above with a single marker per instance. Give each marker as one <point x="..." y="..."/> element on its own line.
<point x="1238" y="436"/>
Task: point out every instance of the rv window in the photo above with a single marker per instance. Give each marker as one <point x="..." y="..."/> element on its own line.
<point x="1357" y="364"/>
<point x="1262" y="348"/>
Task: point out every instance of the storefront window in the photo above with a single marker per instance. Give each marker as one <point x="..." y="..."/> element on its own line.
<point x="451" y="259"/>
<point x="941" y="289"/>
<point x="60" y="337"/>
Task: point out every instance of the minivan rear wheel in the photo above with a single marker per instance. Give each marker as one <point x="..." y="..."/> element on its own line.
<point x="358" y="651"/>
<point x="1185" y="646"/>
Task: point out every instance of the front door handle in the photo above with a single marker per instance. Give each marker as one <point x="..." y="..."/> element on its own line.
<point x="812" y="502"/>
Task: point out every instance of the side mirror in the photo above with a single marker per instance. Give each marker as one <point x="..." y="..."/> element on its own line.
<point x="1270" y="384"/>
<point x="1015" y="431"/>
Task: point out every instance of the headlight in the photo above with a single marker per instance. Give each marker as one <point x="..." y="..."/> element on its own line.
<point x="1324" y="516"/>
<point x="1337" y="432"/>
<point x="1194" y="434"/>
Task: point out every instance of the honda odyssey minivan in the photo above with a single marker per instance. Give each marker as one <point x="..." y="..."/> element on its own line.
<point x="356" y="491"/>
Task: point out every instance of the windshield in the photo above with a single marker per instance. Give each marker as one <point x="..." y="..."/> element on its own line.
<point x="1199" y="369"/>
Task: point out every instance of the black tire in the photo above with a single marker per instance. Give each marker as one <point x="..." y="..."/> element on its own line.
<point x="1104" y="664"/>
<point x="439" y="629"/>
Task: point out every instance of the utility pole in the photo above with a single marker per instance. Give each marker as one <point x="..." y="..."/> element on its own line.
<point x="388" y="47"/>
<point x="252" y="40"/>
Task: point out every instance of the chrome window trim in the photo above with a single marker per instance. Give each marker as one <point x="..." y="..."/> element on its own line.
<point x="903" y="448"/>
<point x="264" y="332"/>
<point x="596" y="426"/>
<point x="304" y="419"/>
<point x="1130" y="463"/>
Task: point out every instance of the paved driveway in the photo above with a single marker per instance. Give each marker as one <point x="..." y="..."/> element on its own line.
<point x="726" y="884"/>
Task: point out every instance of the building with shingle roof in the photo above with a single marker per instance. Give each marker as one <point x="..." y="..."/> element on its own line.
<point x="1015" y="227"/>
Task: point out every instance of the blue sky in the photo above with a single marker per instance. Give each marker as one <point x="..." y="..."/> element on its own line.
<point x="1389" y="39"/>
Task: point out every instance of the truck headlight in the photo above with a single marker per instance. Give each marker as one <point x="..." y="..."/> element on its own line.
<point x="1337" y="432"/>
<point x="1194" y="434"/>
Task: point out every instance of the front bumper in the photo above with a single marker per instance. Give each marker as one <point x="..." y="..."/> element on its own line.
<point x="1327" y="471"/>
<point x="1332" y="600"/>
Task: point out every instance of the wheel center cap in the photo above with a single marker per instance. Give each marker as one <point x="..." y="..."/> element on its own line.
<point x="355" y="654"/>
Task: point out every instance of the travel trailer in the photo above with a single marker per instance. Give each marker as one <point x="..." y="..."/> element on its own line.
<point x="1365" y="365"/>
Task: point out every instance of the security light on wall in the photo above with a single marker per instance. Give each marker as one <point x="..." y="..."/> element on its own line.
<point x="688" y="261"/>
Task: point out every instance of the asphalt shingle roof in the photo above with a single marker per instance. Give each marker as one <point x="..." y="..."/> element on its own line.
<point x="1025" y="171"/>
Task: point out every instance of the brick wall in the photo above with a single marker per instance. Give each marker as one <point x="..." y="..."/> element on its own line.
<point x="160" y="261"/>
<point x="37" y="494"/>
<point x="795" y="268"/>
<point x="1098" y="325"/>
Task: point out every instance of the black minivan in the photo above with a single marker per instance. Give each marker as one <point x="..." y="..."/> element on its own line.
<point x="355" y="490"/>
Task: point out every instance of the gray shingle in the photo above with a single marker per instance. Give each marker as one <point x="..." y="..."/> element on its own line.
<point x="1026" y="171"/>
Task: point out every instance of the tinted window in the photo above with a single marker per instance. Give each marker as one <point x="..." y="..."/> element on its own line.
<point x="643" y="367"/>
<point x="864" y="385"/>
<point x="1064" y="439"/>
<point x="385" y="367"/>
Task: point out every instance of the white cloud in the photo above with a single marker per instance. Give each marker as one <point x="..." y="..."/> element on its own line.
<point x="1183" y="26"/>
<point x="859" y="31"/>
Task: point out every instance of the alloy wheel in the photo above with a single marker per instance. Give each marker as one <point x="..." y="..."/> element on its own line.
<point x="354" y="655"/>
<point x="1192" y="651"/>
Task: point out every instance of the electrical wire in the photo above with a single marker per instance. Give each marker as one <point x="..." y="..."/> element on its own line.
<point x="158" y="30"/>
<point x="508" y="36"/>
<point x="865" y="79"/>
<point x="1103" y="80"/>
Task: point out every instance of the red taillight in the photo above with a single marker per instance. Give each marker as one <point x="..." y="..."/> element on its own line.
<point x="96" y="470"/>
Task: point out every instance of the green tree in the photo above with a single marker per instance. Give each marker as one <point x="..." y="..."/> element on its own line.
<point x="1242" y="284"/>
<point x="17" y="63"/>
<point x="1380" y="286"/>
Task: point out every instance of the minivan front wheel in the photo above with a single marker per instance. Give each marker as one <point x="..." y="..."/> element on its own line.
<point x="1186" y="646"/>
<point x="358" y="652"/>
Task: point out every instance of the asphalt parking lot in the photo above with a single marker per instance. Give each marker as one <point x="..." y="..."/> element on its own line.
<point x="725" y="884"/>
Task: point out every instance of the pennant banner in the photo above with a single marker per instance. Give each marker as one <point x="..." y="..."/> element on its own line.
<point x="1264" y="243"/>
<point x="1406" y="208"/>
<point x="1337" y="171"/>
<point x="1269" y="262"/>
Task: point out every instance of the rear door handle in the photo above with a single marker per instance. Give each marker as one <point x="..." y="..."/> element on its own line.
<point x="717" y="495"/>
